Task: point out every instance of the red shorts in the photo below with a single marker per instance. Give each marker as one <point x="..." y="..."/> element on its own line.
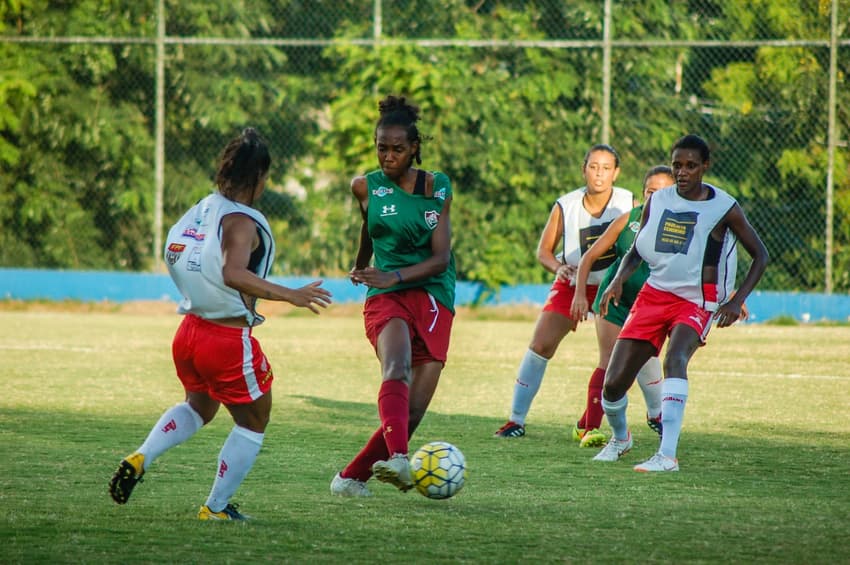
<point x="428" y="321"/>
<point x="226" y="363"/>
<point x="561" y="295"/>
<point x="655" y="313"/>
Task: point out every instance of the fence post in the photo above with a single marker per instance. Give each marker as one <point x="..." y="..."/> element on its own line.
<point x="831" y="141"/>
<point x="159" y="142"/>
<point x="606" y="75"/>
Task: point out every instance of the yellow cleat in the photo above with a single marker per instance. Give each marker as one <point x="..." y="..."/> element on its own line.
<point x="229" y="512"/>
<point x="129" y="472"/>
<point x="593" y="438"/>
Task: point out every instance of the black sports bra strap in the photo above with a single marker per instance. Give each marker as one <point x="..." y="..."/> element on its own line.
<point x="419" y="188"/>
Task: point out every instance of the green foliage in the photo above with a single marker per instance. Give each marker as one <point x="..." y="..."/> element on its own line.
<point x="509" y="125"/>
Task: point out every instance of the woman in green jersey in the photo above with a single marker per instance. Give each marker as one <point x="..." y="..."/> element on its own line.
<point x="409" y="305"/>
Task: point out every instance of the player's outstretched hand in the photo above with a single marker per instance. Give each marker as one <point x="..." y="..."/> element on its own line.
<point x="311" y="296"/>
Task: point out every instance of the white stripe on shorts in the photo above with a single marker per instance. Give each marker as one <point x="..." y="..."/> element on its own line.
<point x="248" y="366"/>
<point x="435" y="310"/>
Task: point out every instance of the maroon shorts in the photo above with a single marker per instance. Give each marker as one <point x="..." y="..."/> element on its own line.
<point x="226" y="363"/>
<point x="561" y="295"/>
<point x="428" y="321"/>
<point x="655" y="313"/>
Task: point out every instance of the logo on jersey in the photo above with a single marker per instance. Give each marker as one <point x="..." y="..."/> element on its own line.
<point x="193" y="263"/>
<point x="432" y="218"/>
<point x="193" y="233"/>
<point x="173" y="252"/>
<point x="634" y="226"/>
<point x="675" y="232"/>
<point x="587" y="237"/>
<point x="441" y="194"/>
<point x="382" y="191"/>
<point x="389" y="210"/>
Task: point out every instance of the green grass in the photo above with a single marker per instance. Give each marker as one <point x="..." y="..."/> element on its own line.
<point x="765" y="452"/>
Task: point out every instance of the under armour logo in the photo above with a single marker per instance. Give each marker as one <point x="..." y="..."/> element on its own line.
<point x="696" y="319"/>
<point x="169" y="427"/>
<point x="222" y="469"/>
<point x="388" y="210"/>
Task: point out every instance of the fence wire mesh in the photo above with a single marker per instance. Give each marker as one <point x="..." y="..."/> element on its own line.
<point x="512" y="94"/>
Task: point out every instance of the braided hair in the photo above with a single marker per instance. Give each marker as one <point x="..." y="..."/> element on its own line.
<point x="243" y="162"/>
<point x="397" y="111"/>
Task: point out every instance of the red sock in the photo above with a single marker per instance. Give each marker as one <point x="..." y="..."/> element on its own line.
<point x="594" y="410"/>
<point x="582" y="422"/>
<point x="394" y="410"/>
<point x="360" y="467"/>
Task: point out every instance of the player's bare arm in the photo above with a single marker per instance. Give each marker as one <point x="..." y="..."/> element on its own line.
<point x="579" y="306"/>
<point x="736" y="220"/>
<point x="239" y="239"/>
<point x="550" y="237"/>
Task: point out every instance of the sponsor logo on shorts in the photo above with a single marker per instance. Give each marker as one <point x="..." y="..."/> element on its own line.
<point x="696" y="319"/>
<point x="634" y="226"/>
<point x="382" y="191"/>
<point x="173" y="252"/>
<point x="432" y="218"/>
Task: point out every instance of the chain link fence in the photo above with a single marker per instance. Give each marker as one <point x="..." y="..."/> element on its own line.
<point x="112" y="114"/>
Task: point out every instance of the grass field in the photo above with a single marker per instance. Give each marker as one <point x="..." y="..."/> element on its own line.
<point x="765" y="451"/>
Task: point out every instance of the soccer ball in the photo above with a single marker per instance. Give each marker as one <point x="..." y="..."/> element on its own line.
<point x="438" y="469"/>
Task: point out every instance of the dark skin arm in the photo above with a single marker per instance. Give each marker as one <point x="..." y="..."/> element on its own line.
<point x="630" y="262"/>
<point x="441" y="249"/>
<point x="736" y="220"/>
<point x="239" y="238"/>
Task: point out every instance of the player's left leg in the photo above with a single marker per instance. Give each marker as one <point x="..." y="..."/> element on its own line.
<point x="237" y="457"/>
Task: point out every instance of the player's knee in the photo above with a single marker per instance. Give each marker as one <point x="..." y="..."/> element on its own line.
<point x="396" y="370"/>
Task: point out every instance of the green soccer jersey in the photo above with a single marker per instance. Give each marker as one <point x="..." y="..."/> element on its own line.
<point x="634" y="283"/>
<point x="401" y="225"/>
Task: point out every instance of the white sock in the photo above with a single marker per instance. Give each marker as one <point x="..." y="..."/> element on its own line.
<point x="235" y="460"/>
<point x="175" y="426"/>
<point x="528" y="380"/>
<point x="649" y="378"/>
<point x="674" y="396"/>
<point x="616" y="413"/>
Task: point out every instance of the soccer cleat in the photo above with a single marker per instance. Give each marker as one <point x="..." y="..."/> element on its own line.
<point x="342" y="486"/>
<point x="510" y="429"/>
<point x="658" y="462"/>
<point x="593" y="438"/>
<point x="229" y="512"/>
<point x="395" y="470"/>
<point x="655" y="424"/>
<point x="129" y="472"/>
<point x="578" y="433"/>
<point x="615" y="449"/>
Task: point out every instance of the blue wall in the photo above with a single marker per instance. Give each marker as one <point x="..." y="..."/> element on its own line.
<point x="96" y="286"/>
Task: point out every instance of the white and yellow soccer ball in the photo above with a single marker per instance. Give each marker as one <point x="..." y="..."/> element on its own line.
<point x="438" y="469"/>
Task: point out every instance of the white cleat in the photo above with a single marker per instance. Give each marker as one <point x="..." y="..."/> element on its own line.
<point x="615" y="449"/>
<point x="341" y="486"/>
<point x="395" y="470"/>
<point x="656" y="463"/>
